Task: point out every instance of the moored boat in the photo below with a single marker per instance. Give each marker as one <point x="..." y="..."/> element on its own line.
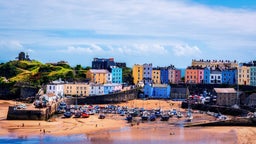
<point x="85" y="115"/>
<point x="101" y="116"/>
<point x="67" y="114"/>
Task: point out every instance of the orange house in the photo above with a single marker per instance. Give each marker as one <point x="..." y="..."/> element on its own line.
<point x="194" y="75"/>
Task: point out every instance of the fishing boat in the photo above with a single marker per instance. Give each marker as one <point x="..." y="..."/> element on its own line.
<point x="165" y="117"/>
<point x="179" y="114"/>
<point x="67" y="114"/>
<point x="145" y="116"/>
<point x="101" y="116"/>
<point x="77" y="114"/>
<point x="158" y="112"/>
<point x="152" y="117"/>
<point x="85" y="115"/>
<point x="129" y="118"/>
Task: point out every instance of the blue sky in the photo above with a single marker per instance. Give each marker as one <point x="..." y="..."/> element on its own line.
<point x="161" y="32"/>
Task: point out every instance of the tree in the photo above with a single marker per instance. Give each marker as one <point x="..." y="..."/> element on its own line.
<point x="127" y="75"/>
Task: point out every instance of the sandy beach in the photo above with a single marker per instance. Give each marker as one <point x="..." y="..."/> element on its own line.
<point x="99" y="129"/>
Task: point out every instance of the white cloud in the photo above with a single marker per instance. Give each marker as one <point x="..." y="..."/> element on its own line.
<point x="186" y="50"/>
<point x="93" y="48"/>
<point x="11" y="45"/>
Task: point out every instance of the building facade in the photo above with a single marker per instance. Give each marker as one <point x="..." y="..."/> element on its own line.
<point x="164" y="75"/>
<point x="111" y="88"/>
<point x="207" y="72"/>
<point x="214" y="63"/>
<point x="157" y="91"/>
<point x="56" y="87"/>
<point x="147" y="73"/>
<point x="229" y="76"/>
<point x="99" y="76"/>
<point x="156" y="76"/>
<point x="96" y="89"/>
<point x="137" y="73"/>
<point x="117" y="74"/>
<point x="216" y="76"/>
<point x="244" y="75"/>
<point x="253" y="76"/>
<point x="194" y="75"/>
<point x="77" y="89"/>
<point x="102" y="63"/>
<point x="226" y="96"/>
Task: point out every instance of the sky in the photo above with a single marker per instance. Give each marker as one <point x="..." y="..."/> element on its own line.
<point x="161" y="32"/>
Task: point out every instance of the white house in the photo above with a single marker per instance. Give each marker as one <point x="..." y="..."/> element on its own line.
<point x="96" y="89"/>
<point x="56" y="87"/>
<point x="110" y="88"/>
<point x="216" y="76"/>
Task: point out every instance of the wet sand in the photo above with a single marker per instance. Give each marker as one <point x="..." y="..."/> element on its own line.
<point x="114" y="129"/>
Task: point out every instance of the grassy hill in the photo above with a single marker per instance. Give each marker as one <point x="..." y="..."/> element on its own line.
<point x="36" y="73"/>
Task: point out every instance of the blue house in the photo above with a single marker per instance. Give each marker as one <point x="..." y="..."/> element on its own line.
<point x="207" y="72"/>
<point x="164" y="76"/>
<point x="229" y="76"/>
<point x="116" y="74"/>
<point x="157" y="91"/>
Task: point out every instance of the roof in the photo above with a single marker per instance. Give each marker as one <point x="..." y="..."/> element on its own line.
<point x="160" y="85"/>
<point x="224" y="90"/>
<point x="99" y="71"/>
<point x="112" y="84"/>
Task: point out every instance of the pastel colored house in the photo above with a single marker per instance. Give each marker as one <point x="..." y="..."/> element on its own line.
<point x="111" y="88"/>
<point x="147" y="73"/>
<point x="137" y="73"/>
<point x="117" y="74"/>
<point x="157" y="91"/>
<point x="229" y="76"/>
<point x="55" y="87"/>
<point x="164" y="75"/>
<point x="77" y="89"/>
<point x="156" y="76"/>
<point x="96" y="89"/>
<point x="99" y="76"/>
<point x="207" y="72"/>
<point x="194" y="75"/>
<point x="253" y="76"/>
<point x="177" y="76"/>
<point x="244" y="75"/>
<point x="215" y="76"/>
<point x="171" y="75"/>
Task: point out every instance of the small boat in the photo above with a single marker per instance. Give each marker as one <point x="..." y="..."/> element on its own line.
<point x="67" y="114"/>
<point x="158" y="113"/>
<point x="165" y="117"/>
<point x="179" y="115"/>
<point x="85" y="115"/>
<point x="129" y="118"/>
<point x="101" y="116"/>
<point x="122" y="113"/>
<point x="77" y="114"/>
<point x="152" y="117"/>
<point x="145" y="116"/>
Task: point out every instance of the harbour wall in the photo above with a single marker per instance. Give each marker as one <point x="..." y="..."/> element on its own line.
<point x="216" y="109"/>
<point x="105" y="99"/>
<point x="31" y="114"/>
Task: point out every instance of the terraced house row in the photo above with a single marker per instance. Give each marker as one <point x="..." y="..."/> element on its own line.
<point x="148" y="74"/>
<point x="62" y="88"/>
<point x="221" y="72"/>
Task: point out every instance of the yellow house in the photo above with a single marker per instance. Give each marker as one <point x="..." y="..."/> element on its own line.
<point x="137" y="73"/>
<point x="76" y="89"/>
<point x="99" y="76"/>
<point x="156" y="76"/>
<point x="243" y="75"/>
